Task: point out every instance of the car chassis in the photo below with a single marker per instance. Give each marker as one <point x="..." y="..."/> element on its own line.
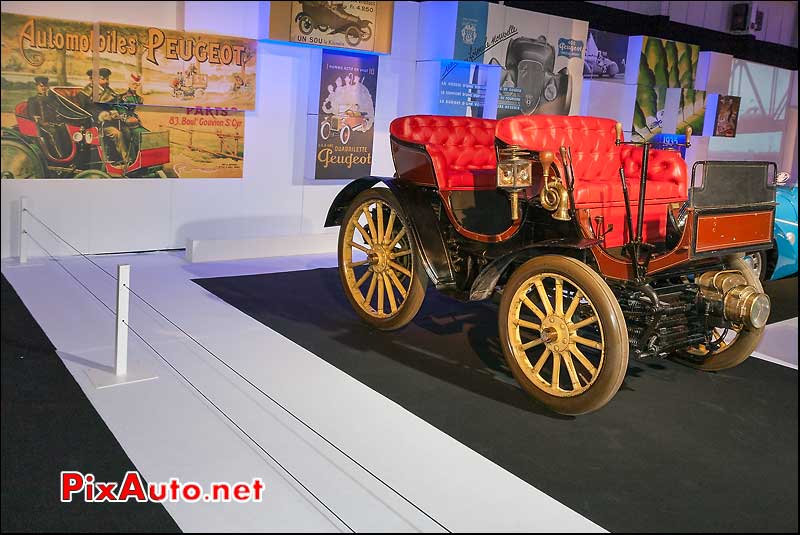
<point x="575" y="297"/>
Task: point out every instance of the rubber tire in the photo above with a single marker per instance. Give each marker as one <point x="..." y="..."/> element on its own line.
<point x="615" y="333"/>
<point x="419" y="282"/>
<point x="745" y="343"/>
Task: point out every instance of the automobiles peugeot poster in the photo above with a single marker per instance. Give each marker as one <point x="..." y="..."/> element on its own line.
<point x="345" y="129"/>
<point x="180" y="68"/>
<point x="55" y="127"/>
<point x="359" y="25"/>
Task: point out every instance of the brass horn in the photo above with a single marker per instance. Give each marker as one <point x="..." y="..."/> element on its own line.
<point x="554" y="196"/>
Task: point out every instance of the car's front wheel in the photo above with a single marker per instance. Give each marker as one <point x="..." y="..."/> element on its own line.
<point x="563" y="334"/>
<point x="379" y="263"/>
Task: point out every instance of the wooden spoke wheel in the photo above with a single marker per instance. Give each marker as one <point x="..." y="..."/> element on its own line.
<point x="563" y="334"/>
<point x="379" y="265"/>
<point x="727" y="347"/>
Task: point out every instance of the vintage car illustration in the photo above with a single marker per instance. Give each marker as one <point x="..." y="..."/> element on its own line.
<point x="332" y="17"/>
<point x="347" y="121"/>
<point x="189" y="85"/>
<point x="78" y="146"/>
<point x="781" y="260"/>
<point x="591" y="244"/>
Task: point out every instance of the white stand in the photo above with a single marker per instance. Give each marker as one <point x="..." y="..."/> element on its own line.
<point x="122" y="375"/>
<point x="23" y="252"/>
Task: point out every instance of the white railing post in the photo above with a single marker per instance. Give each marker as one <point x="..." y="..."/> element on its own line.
<point x="23" y="251"/>
<point x="123" y="297"/>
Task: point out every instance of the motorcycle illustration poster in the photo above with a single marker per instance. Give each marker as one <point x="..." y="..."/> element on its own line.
<point x="334" y="24"/>
<point x="348" y="85"/>
<point x="181" y="68"/>
<point x="53" y="127"/>
<point x="542" y="60"/>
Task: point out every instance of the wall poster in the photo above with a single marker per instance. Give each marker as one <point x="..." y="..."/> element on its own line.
<point x="358" y="25"/>
<point x="541" y="57"/>
<point x="63" y="116"/>
<point x="605" y="56"/>
<point x="345" y="128"/>
<point x="727" y="116"/>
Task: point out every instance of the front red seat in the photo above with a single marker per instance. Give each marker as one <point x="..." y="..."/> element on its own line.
<point x="461" y="148"/>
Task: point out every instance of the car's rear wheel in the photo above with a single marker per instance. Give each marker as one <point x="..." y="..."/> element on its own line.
<point x="727" y="347"/>
<point x="379" y="263"/>
<point x="563" y="334"/>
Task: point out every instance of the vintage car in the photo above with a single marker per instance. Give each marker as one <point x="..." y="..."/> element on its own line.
<point x="591" y="243"/>
<point x="190" y="85"/>
<point x="781" y="260"/>
<point x="343" y="124"/>
<point x="334" y="18"/>
<point x="76" y="146"/>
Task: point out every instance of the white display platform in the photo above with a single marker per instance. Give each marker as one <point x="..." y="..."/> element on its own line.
<point x="168" y="430"/>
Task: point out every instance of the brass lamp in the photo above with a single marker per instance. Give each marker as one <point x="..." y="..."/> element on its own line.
<point x="514" y="174"/>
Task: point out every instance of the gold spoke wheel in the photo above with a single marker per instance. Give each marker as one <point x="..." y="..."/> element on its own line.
<point x="563" y="334"/>
<point x="380" y="270"/>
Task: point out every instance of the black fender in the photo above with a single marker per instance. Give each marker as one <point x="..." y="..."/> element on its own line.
<point x="301" y="14"/>
<point x="484" y="284"/>
<point x="421" y="219"/>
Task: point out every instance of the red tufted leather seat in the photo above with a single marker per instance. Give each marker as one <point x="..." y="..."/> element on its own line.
<point x="596" y="160"/>
<point x="461" y="148"/>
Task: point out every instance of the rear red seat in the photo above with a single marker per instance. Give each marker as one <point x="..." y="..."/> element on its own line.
<point x="461" y="148"/>
<point x="596" y="160"/>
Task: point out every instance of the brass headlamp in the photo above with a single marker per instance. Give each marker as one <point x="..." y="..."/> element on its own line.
<point x="514" y="172"/>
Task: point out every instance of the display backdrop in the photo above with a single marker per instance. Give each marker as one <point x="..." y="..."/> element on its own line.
<point x="346" y="24"/>
<point x="345" y="129"/>
<point x="73" y="101"/>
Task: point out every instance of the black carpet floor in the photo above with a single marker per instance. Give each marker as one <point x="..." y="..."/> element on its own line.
<point x="48" y="425"/>
<point x="675" y="450"/>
